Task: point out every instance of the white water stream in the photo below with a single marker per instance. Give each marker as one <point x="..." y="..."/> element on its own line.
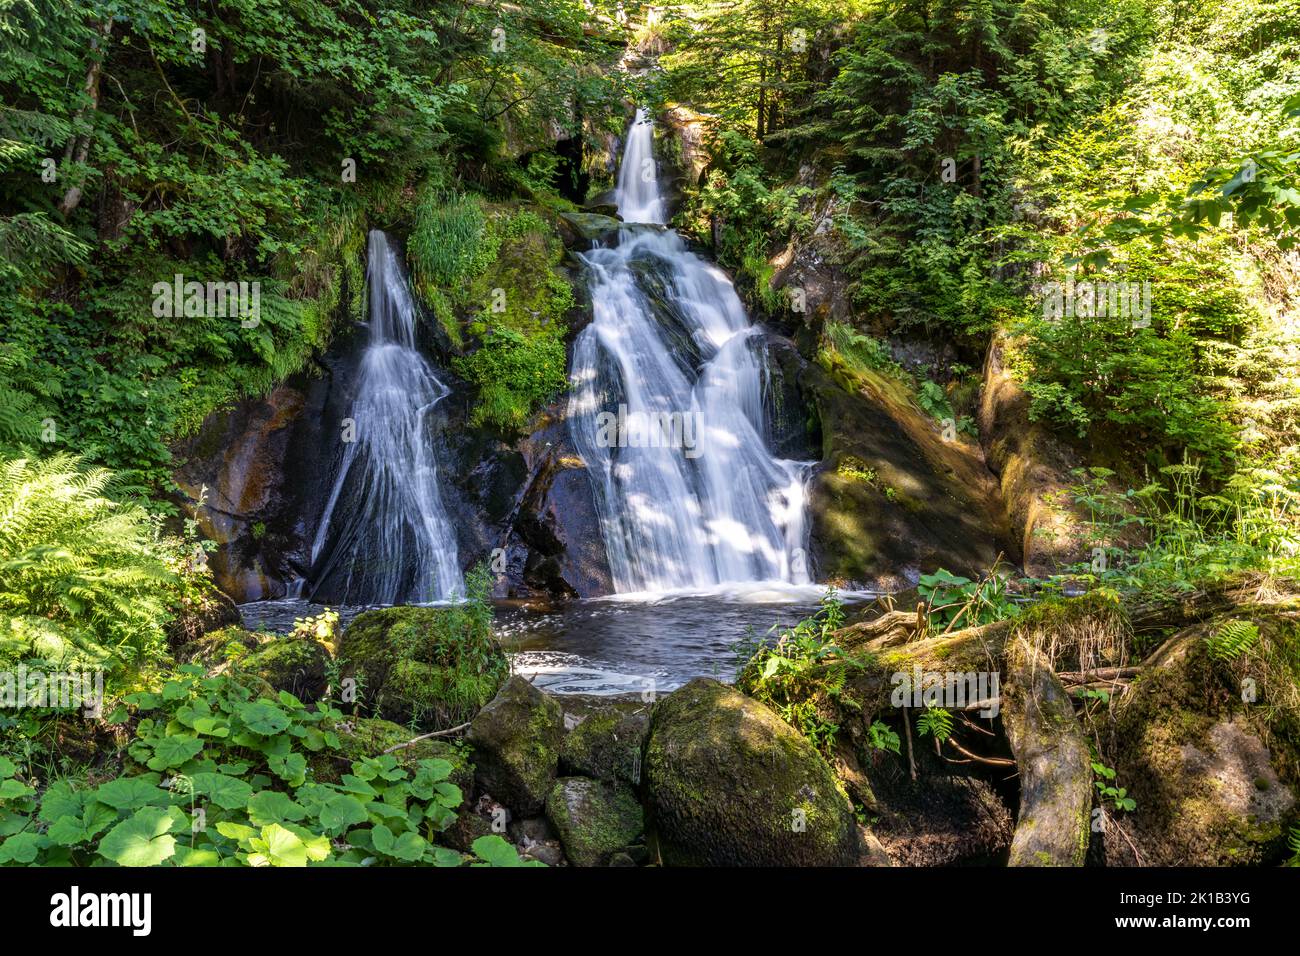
<point x="384" y="537"/>
<point x="688" y="494"/>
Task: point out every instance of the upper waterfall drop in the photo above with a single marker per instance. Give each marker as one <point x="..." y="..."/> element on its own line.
<point x="637" y="195"/>
<point x="675" y="435"/>
<point x="384" y="536"/>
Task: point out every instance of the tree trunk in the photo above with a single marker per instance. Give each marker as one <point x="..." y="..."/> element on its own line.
<point x="79" y="146"/>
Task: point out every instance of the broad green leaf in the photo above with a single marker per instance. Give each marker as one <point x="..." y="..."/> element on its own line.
<point x="229" y="793"/>
<point x="271" y="806"/>
<point x="143" y="839"/>
<point x="263" y="718"/>
<point x="174" y="751"/>
<point x="22" y="847"/>
<point x="131" y="793"/>
<point x="495" y="851"/>
<point x="342" y="811"/>
<point x="282" y="847"/>
<point x="291" y="768"/>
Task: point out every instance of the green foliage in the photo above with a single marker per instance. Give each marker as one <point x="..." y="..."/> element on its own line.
<point x="514" y="374"/>
<point x="952" y="599"/>
<point x="863" y="352"/>
<point x="522" y="300"/>
<point x="447" y="247"/>
<point x="802" y="672"/>
<point x="935" y="722"/>
<point x="234" y="162"/>
<point x="225" y="779"/>
<point x="882" y="737"/>
<point x="1186" y="537"/>
<point x="85" y="581"/>
<point x="1118" y="796"/>
<point x="1231" y="639"/>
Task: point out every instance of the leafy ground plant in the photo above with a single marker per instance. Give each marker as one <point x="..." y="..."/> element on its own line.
<point x="219" y="777"/>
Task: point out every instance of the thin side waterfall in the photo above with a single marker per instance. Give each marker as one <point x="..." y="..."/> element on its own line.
<point x="667" y="411"/>
<point x="384" y="537"/>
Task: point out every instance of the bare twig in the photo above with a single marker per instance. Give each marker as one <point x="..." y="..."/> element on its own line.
<point x="437" y="733"/>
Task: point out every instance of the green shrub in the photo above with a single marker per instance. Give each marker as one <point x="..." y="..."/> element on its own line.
<point x="514" y="374"/>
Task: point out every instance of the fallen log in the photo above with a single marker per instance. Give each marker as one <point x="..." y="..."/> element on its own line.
<point x="1052" y="756"/>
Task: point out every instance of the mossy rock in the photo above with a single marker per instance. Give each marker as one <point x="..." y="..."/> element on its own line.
<point x="728" y="783"/>
<point x="516" y="746"/>
<point x="1212" y="775"/>
<point x="594" y="820"/>
<point x="606" y="745"/>
<point x="295" y="664"/>
<point x="199" y="615"/>
<point x="371" y="736"/>
<point x="215" y="648"/>
<point x="584" y="228"/>
<point x="430" y="667"/>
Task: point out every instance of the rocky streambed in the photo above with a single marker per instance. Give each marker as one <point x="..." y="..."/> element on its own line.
<point x="1205" y="744"/>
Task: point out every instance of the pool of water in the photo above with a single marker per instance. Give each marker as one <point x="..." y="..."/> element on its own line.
<point x="628" y="643"/>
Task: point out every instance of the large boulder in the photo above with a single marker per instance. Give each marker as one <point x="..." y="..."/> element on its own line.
<point x="515" y="742"/>
<point x="298" y="665"/>
<point x="594" y="820"/>
<point x="1207" y="748"/>
<point x="728" y="783"/>
<point x="581" y="229"/>
<point x="430" y="666"/>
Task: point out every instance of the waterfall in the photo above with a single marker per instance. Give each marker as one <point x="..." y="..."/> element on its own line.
<point x="384" y="537"/>
<point x="667" y="411"/>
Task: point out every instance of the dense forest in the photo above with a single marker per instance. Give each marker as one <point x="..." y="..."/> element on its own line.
<point x="1026" y="340"/>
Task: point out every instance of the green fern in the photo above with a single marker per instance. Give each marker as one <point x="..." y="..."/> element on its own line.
<point x="83" y="579"/>
<point x="935" y="722"/>
<point x="1232" y="639"/>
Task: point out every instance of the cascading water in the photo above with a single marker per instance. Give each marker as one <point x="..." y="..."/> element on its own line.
<point x="688" y="495"/>
<point x="384" y="536"/>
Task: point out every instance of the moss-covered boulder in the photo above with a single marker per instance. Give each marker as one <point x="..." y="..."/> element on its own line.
<point x="728" y="783"/>
<point x="430" y="667"/>
<point x="594" y="820"/>
<point x="1206" y="743"/>
<point x="214" y="649"/>
<point x="372" y="736"/>
<point x="606" y="745"/>
<point x="200" y="614"/>
<point x="515" y="742"/>
<point x="296" y="664"/>
<point x="584" y="228"/>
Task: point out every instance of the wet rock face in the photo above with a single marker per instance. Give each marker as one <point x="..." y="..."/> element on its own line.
<point x="268" y="466"/>
<point x="891" y="499"/>
<point x="728" y="783"/>
<point x="532" y="500"/>
<point x="233" y="475"/>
